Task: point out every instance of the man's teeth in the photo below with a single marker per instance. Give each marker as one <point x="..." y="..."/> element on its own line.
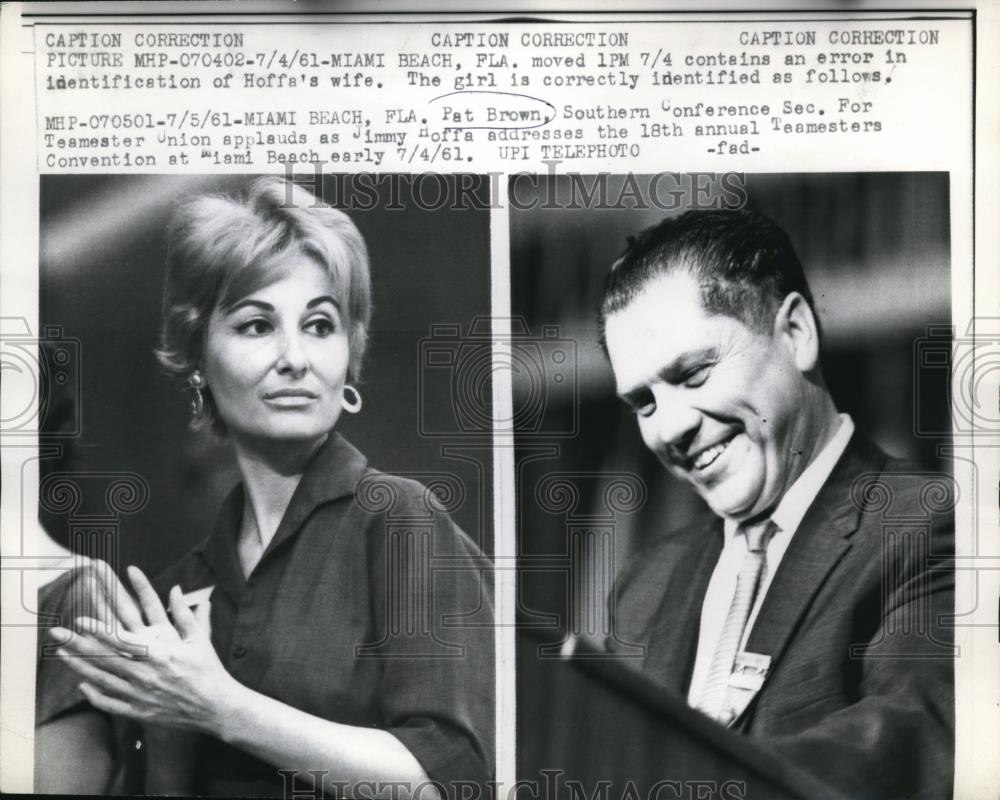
<point x="706" y="457"/>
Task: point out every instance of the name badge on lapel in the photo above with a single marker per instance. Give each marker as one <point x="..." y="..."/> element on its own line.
<point x="748" y="675"/>
<point x="749" y="671"/>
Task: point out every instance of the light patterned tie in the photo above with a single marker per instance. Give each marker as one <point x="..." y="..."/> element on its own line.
<point x="713" y="695"/>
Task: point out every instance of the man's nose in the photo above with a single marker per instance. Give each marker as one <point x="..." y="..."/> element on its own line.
<point x="675" y="422"/>
<point x="292" y="357"/>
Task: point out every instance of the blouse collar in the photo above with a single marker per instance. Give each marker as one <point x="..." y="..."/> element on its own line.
<point x="332" y="473"/>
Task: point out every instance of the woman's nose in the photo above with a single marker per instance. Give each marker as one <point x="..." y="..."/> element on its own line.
<point x="292" y="357"/>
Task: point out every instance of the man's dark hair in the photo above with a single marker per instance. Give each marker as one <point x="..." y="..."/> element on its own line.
<point x="743" y="262"/>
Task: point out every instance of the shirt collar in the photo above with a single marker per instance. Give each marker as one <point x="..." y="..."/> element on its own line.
<point x="800" y="495"/>
<point x="333" y="472"/>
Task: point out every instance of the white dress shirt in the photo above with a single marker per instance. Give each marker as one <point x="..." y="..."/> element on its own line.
<point x="786" y="517"/>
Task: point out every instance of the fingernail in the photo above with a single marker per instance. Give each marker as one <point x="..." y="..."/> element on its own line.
<point x="60" y="634"/>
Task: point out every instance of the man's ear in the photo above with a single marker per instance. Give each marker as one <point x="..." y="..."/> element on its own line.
<point x="795" y="326"/>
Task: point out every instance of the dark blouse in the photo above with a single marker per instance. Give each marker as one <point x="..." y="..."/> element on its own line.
<point x="369" y="607"/>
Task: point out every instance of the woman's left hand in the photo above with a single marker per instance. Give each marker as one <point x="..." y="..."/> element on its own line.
<point x="155" y="672"/>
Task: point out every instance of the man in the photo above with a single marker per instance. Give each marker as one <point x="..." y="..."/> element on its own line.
<point x="809" y="612"/>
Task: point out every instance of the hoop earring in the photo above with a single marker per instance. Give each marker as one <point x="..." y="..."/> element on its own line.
<point x="351" y="406"/>
<point x="195" y="383"/>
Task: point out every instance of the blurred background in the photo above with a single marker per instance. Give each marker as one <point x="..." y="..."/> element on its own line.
<point x="876" y="251"/>
<point x="101" y="282"/>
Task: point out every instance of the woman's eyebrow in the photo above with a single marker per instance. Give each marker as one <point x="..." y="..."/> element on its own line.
<point x="320" y="300"/>
<point x="249" y="302"/>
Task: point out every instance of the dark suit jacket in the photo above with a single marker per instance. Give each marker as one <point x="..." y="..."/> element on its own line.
<point x="856" y="622"/>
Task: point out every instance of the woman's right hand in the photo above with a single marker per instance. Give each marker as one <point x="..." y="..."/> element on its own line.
<point x="154" y="671"/>
<point x="104" y="598"/>
<point x="103" y="603"/>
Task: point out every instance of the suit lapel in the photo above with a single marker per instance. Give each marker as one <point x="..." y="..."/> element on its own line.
<point x="672" y="644"/>
<point x="819" y="543"/>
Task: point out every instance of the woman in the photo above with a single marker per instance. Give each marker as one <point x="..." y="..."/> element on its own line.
<point x="325" y="656"/>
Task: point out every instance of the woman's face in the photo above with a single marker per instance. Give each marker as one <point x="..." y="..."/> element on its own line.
<point x="276" y="361"/>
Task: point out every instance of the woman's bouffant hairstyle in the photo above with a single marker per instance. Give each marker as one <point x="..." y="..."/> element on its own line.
<point x="221" y="248"/>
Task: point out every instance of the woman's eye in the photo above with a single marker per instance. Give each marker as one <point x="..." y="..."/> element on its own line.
<point x="255" y="327"/>
<point x="321" y="326"/>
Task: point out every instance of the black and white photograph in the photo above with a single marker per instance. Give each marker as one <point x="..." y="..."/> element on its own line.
<point x="736" y="550"/>
<point x="500" y="401"/>
<point x="280" y="584"/>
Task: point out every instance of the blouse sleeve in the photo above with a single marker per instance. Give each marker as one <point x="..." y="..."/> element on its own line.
<point x="435" y="640"/>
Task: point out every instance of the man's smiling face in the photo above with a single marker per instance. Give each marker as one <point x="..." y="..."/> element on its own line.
<point x="721" y="404"/>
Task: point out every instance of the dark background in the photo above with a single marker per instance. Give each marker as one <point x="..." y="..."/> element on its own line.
<point x="876" y="251"/>
<point x="101" y="282"/>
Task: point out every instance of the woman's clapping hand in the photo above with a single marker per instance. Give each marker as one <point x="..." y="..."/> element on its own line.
<point x="147" y="668"/>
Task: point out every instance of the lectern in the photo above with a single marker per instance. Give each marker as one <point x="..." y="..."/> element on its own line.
<point x="591" y="728"/>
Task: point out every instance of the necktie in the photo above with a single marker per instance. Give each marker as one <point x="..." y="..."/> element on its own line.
<point x="751" y="575"/>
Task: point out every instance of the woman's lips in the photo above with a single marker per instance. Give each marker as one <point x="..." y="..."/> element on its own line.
<point x="303" y="394"/>
<point x="290" y="398"/>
